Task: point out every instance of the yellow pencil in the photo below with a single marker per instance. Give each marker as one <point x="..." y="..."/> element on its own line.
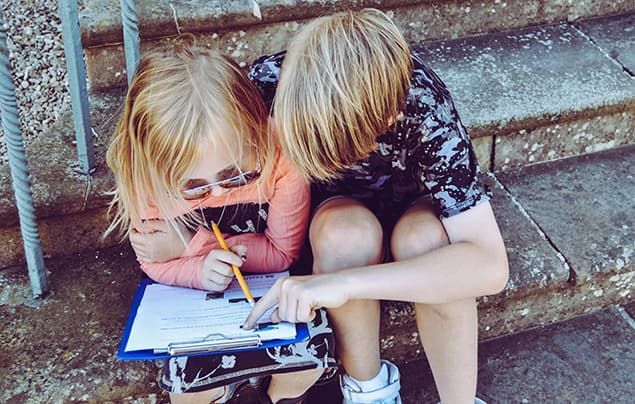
<point x="239" y="276"/>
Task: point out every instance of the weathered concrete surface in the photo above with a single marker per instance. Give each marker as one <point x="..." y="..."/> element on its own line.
<point x="57" y="188"/>
<point x="63" y="348"/>
<point x="232" y="27"/>
<point x="564" y="139"/>
<point x="615" y="35"/>
<point x="586" y="207"/>
<point x="589" y="359"/>
<point x="521" y="86"/>
<point x="101" y="21"/>
<point x="70" y="208"/>
<point x="59" y="235"/>
<point x="483" y="150"/>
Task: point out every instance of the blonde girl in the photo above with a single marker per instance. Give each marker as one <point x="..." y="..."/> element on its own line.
<point x="194" y="146"/>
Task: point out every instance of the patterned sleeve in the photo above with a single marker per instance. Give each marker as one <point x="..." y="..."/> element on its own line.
<point x="447" y="164"/>
<point x="265" y="73"/>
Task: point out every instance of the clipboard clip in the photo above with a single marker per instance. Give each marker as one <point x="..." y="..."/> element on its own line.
<point x="213" y="343"/>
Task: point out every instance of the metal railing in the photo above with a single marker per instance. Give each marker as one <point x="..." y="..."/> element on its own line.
<point x="19" y="169"/>
<point x="9" y="117"/>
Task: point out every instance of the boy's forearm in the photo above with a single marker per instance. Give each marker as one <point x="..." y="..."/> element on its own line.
<point x="450" y="273"/>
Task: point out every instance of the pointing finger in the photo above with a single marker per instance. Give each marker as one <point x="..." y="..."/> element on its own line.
<point x="269" y="300"/>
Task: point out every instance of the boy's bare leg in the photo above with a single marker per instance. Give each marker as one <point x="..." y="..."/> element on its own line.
<point x="203" y="397"/>
<point x="448" y="332"/>
<point x="346" y="234"/>
<point x="292" y="385"/>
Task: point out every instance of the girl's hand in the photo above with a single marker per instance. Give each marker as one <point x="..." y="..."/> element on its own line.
<point x="217" y="271"/>
<point x="158" y="241"/>
<point x="298" y="297"/>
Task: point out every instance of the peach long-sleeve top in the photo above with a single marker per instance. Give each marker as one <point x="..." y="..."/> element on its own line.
<point x="270" y="219"/>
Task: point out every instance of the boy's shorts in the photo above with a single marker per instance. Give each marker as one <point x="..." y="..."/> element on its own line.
<point x="387" y="211"/>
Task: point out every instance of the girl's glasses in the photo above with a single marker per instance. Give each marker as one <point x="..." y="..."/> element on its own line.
<point x="233" y="182"/>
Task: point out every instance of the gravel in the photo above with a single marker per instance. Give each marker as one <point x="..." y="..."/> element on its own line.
<point x="39" y="67"/>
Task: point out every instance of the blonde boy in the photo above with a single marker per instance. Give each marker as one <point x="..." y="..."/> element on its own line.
<point x="399" y="210"/>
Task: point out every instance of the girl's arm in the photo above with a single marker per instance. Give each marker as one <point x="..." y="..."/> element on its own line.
<point x="204" y="265"/>
<point x="186" y="272"/>
<point x="274" y="250"/>
<point x="473" y="264"/>
<point x="287" y="222"/>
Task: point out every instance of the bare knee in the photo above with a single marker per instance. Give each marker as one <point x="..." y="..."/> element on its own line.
<point x="344" y="235"/>
<point x="418" y="231"/>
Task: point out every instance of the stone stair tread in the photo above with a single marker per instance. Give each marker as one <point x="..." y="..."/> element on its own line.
<point x="233" y="28"/>
<point x="586" y="206"/>
<point x="100" y="20"/>
<point x="615" y="36"/>
<point x="527" y="77"/>
<point x="63" y="348"/>
<point x="558" y="363"/>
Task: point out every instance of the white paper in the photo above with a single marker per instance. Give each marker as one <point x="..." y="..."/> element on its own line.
<point x="169" y="314"/>
<point x="258" y="285"/>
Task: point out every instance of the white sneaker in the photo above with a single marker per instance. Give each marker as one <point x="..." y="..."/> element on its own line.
<point x="388" y="394"/>
<point x="476" y="401"/>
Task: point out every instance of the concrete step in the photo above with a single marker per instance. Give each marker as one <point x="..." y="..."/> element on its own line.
<point x="234" y="27"/>
<point x="518" y="93"/>
<point x="63" y="347"/>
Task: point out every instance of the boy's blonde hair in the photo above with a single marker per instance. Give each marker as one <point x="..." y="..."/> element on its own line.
<point x="178" y="102"/>
<point x="345" y="77"/>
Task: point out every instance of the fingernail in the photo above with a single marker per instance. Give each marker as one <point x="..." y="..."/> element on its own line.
<point x="243" y="257"/>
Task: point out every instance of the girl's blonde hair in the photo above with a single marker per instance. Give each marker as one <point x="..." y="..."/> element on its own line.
<point x="345" y="77"/>
<point x="178" y="102"/>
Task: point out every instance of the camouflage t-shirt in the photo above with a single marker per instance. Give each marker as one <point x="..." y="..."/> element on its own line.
<point x="426" y="152"/>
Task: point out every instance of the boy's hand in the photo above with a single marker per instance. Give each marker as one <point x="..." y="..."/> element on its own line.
<point x="217" y="271"/>
<point x="298" y="297"/>
<point x="158" y="241"/>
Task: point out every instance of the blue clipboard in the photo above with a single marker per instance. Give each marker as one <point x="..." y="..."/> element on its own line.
<point x="198" y="348"/>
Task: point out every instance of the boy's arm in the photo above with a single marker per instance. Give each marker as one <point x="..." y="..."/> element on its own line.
<point x="473" y="264"/>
